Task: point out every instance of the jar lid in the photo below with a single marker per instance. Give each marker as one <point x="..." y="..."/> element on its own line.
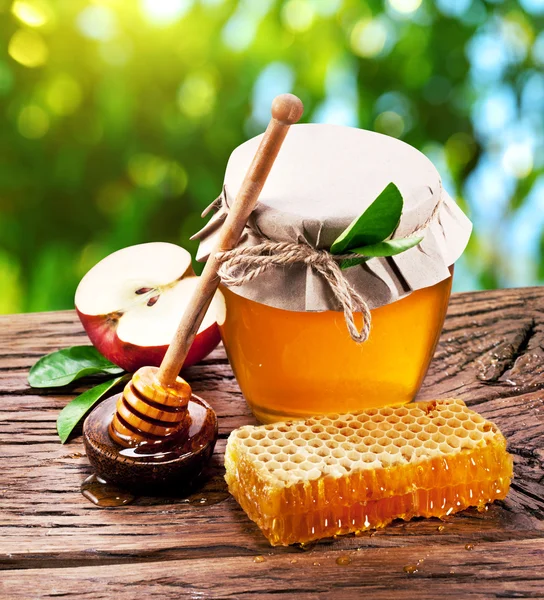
<point x="324" y="177"/>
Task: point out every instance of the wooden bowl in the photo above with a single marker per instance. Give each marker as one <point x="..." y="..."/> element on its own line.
<point x="151" y="468"/>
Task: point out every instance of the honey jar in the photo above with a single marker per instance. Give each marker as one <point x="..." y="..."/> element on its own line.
<point x="296" y="347"/>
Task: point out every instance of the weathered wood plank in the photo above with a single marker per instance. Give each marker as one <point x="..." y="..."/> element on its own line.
<point x="450" y="571"/>
<point x="490" y="355"/>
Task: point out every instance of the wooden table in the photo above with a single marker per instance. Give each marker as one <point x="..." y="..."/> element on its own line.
<point x="53" y="542"/>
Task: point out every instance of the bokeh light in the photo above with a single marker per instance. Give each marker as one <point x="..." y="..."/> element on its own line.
<point x="369" y="37"/>
<point x="196" y="95"/>
<point x="28" y="48"/>
<point x="405" y="7"/>
<point x="33" y="122"/>
<point x="97" y="22"/>
<point x="164" y="12"/>
<point x="390" y="123"/>
<point x="298" y="15"/>
<point x="31" y="12"/>
<point x="517" y="160"/>
<point x="63" y="94"/>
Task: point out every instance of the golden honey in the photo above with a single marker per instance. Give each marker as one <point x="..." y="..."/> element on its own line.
<point x="302" y="481"/>
<point x="298" y="364"/>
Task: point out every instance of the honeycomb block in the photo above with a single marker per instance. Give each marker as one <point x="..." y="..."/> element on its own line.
<point x="305" y="480"/>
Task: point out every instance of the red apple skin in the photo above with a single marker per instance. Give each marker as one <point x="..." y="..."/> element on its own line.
<point x="102" y="331"/>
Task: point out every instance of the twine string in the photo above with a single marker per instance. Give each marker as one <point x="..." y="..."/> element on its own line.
<point x="244" y="264"/>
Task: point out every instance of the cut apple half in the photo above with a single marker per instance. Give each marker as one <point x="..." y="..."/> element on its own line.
<point x="131" y="303"/>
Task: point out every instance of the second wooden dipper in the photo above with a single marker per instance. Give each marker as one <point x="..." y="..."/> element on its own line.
<point x="157" y="431"/>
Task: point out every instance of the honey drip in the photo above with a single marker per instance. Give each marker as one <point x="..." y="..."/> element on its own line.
<point x="410" y="569"/>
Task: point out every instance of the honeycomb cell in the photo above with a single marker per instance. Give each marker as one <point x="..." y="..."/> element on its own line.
<point x="338" y="453"/>
<point x="453" y="441"/>
<point x="315" y="443"/>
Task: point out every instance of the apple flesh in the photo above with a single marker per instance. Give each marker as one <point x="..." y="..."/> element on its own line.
<point x="130" y="305"/>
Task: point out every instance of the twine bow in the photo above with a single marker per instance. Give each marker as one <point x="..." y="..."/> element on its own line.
<point x="243" y="264"/>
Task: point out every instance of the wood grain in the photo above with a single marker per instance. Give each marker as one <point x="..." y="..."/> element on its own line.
<point x="52" y="541"/>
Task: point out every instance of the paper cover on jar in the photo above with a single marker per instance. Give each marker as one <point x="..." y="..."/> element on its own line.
<point x="325" y="176"/>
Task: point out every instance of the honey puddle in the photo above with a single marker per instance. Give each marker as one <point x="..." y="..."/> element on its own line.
<point x="104" y="494"/>
<point x="107" y="495"/>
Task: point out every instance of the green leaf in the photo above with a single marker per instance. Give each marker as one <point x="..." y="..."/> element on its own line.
<point x="376" y="224"/>
<point x="72" y="413"/>
<point x="387" y="248"/>
<point x="352" y="262"/>
<point x="62" y="367"/>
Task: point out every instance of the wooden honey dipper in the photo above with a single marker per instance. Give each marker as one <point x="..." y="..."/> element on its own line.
<point x="153" y="406"/>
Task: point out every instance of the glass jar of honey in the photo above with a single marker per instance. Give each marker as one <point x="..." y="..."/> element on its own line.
<point x="285" y="332"/>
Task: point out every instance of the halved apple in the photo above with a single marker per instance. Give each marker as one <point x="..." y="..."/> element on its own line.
<point x="131" y="302"/>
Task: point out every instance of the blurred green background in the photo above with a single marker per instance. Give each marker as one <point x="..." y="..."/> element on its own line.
<point x="119" y="117"/>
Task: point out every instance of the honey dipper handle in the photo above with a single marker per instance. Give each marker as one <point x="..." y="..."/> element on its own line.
<point x="286" y="110"/>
